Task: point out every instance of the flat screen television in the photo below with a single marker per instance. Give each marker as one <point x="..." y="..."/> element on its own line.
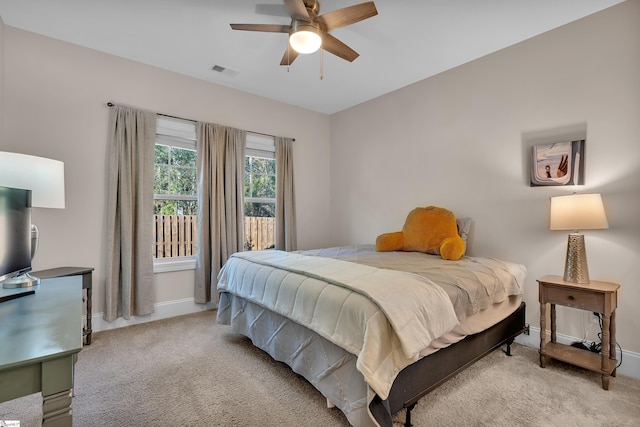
<point x="15" y="232"/>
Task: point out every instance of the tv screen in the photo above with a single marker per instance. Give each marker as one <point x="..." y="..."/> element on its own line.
<point x="15" y="232"/>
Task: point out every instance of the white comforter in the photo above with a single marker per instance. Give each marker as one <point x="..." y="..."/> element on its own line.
<point x="384" y="317"/>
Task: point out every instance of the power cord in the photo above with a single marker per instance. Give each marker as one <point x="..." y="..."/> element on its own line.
<point x="596" y="347"/>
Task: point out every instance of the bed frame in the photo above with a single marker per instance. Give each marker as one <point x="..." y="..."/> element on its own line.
<point x="420" y="378"/>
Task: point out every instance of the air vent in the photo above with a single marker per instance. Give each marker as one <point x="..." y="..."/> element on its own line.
<point x="229" y="72"/>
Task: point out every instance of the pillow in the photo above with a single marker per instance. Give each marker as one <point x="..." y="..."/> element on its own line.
<point x="464" y="227"/>
<point x="432" y="230"/>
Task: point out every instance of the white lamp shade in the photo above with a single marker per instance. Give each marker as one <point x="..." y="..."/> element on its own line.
<point x="305" y="38"/>
<point x="44" y="177"/>
<point x="577" y="212"/>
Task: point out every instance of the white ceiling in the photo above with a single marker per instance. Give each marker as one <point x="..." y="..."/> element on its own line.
<point x="408" y="41"/>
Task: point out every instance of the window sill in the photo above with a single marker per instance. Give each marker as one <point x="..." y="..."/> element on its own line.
<point x="165" y="265"/>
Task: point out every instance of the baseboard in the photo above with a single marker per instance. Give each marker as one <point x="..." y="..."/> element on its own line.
<point x="163" y="310"/>
<point x="630" y="360"/>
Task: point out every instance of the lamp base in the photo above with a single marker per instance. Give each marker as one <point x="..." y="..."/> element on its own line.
<point x="23" y="281"/>
<point x="575" y="267"/>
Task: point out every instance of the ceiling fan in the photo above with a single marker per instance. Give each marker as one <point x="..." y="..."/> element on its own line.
<point x="309" y="31"/>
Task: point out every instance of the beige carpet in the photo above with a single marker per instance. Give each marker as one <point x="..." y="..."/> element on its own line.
<point x="189" y="371"/>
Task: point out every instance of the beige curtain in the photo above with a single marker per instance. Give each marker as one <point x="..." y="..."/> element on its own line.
<point x="220" y="203"/>
<point x="286" y="236"/>
<point x="129" y="263"/>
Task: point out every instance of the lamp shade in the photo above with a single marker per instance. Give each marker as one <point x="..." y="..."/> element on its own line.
<point x="44" y="177"/>
<point x="305" y="37"/>
<point x="577" y="212"/>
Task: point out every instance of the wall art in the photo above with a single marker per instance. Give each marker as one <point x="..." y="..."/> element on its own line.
<point x="560" y="163"/>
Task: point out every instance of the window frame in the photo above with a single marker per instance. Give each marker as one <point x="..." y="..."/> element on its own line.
<point x="260" y="145"/>
<point x="264" y="155"/>
<point x="178" y="133"/>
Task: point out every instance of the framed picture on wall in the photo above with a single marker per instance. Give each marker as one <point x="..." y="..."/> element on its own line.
<point x="560" y="163"/>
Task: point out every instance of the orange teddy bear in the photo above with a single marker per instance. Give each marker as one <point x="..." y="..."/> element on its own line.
<point x="432" y="230"/>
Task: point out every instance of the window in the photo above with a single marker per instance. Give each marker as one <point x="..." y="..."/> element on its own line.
<point x="259" y="192"/>
<point x="175" y="190"/>
<point x="175" y="194"/>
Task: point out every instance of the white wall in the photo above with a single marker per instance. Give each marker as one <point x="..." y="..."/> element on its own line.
<point x="462" y="140"/>
<point x="55" y="106"/>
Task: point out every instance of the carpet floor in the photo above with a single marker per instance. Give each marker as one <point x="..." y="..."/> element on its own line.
<point x="190" y="371"/>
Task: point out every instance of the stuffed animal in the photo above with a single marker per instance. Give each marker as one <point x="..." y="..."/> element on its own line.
<point x="432" y="230"/>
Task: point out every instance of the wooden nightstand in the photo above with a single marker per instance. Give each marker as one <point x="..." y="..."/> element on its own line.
<point x="601" y="297"/>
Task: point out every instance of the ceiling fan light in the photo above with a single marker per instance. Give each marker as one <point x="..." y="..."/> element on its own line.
<point x="305" y="39"/>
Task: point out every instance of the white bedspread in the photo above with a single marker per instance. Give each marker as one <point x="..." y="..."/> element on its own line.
<point x="382" y="316"/>
<point x="472" y="283"/>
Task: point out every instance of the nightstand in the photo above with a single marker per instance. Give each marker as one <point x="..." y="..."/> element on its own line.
<point x="601" y="297"/>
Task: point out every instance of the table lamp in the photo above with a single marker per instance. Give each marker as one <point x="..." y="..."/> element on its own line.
<point x="577" y="212"/>
<point x="45" y="178"/>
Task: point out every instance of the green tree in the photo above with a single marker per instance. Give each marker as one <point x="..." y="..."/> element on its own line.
<point x="175" y="175"/>
<point x="260" y="183"/>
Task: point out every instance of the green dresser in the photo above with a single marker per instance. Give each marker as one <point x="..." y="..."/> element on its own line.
<point x="41" y="336"/>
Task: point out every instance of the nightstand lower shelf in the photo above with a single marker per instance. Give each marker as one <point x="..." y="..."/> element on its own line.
<point x="579" y="357"/>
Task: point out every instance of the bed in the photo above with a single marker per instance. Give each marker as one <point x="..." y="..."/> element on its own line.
<point x="372" y="331"/>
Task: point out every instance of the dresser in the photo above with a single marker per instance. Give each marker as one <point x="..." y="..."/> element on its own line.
<point x="41" y="336"/>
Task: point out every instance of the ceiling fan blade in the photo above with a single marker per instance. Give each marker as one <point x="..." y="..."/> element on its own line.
<point x="297" y="9"/>
<point x="267" y="28"/>
<point x="347" y="16"/>
<point x="335" y="46"/>
<point x="289" y="56"/>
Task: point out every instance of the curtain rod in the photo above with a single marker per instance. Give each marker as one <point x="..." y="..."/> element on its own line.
<point x="111" y="104"/>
